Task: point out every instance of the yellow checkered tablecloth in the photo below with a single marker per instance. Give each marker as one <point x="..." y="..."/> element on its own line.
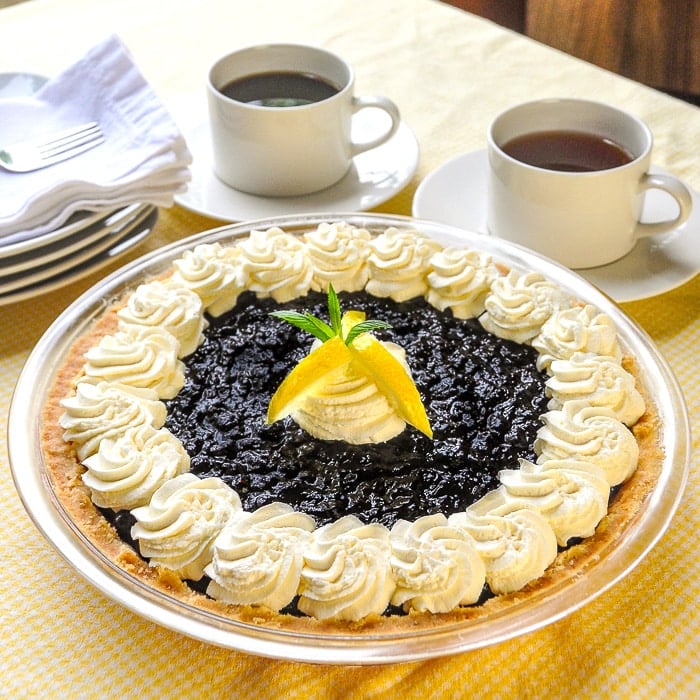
<point x="450" y="73"/>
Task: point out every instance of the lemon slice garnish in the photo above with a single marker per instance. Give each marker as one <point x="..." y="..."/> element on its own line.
<point x="392" y="379"/>
<point x="350" y="320"/>
<point x="308" y="373"/>
<point x="344" y="342"/>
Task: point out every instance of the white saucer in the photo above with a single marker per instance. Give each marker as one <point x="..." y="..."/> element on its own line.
<point x="374" y="177"/>
<point x="455" y="193"/>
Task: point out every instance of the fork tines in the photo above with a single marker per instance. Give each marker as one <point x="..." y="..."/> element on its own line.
<point x="71" y="139"/>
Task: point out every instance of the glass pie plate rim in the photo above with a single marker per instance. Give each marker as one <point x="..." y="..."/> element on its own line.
<point x="544" y="607"/>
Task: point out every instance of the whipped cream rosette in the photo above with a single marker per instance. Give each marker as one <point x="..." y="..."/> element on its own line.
<point x="338" y="254"/>
<point x="276" y="264"/>
<point x="144" y="357"/>
<point x="258" y="557"/>
<point x="347" y="573"/>
<point x="177" y="529"/>
<point x="212" y="272"/>
<point x="515" y="545"/>
<point x="588" y="433"/>
<point x="460" y="280"/>
<point x="169" y="306"/>
<point x="127" y="470"/>
<point x="103" y="411"/>
<point x="399" y="264"/>
<point x="437" y="566"/>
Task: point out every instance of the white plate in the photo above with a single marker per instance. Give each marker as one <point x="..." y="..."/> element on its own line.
<point x="22" y="242"/>
<point x="26" y="270"/>
<point x="374" y="177"/>
<point x="92" y="232"/>
<point x="73" y="268"/>
<point x="455" y="194"/>
<point x="20" y="84"/>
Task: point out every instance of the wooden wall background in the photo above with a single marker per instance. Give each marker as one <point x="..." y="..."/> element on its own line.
<point x="656" y="42"/>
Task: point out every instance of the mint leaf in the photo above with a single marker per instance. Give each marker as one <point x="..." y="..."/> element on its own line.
<point x="320" y="329"/>
<point x="306" y="322"/>
<point x="334" y="311"/>
<point x="365" y="327"/>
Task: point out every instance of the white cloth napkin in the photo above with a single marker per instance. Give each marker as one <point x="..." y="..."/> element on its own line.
<point x="144" y="158"/>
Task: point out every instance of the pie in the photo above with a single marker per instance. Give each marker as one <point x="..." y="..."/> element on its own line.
<point x="341" y="515"/>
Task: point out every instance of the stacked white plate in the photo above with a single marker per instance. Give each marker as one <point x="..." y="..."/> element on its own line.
<point x="31" y="265"/>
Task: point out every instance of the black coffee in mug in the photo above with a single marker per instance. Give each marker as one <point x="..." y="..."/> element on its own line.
<point x="569" y="151"/>
<point x="279" y="89"/>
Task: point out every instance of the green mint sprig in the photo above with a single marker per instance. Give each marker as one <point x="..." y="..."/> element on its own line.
<point x="309" y="323"/>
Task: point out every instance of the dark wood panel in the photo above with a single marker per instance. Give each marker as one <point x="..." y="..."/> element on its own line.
<point x="656" y="42"/>
<point x="509" y="13"/>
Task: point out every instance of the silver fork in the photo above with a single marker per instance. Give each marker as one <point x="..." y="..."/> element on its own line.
<point x="24" y="156"/>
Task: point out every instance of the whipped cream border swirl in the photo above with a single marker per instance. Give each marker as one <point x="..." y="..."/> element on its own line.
<point x="519" y="304"/>
<point x="347" y="569"/>
<point x="460" y="280"/>
<point x="144" y="357"/>
<point x="214" y="273"/>
<point x="167" y="305"/>
<point x="177" y="529"/>
<point x="347" y="573"/>
<point x="399" y="264"/>
<point x="126" y="471"/>
<point x="437" y="566"/>
<point x="258" y="557"/>
<point x="338" y="254"/>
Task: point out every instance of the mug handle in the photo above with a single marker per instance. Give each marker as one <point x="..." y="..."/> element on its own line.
<point x="386" y="105"/>
<point x="678" y="191"/>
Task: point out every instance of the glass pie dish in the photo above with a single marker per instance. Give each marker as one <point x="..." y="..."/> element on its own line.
<point x="541" y="606"/>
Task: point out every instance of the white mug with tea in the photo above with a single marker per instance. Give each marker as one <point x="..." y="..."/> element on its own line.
<point x="567" y="179"/>
<point x="281" y="119"/>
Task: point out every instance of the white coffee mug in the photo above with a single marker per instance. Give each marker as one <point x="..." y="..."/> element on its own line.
<point x="581" y="219"/>
<point x="289" y="150"/>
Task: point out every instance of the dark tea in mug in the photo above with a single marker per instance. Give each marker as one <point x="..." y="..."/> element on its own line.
<point x="279" y="89"/>
<point x="569" y="151"/>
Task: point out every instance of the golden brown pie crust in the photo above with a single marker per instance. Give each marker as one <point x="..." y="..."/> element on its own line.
<point x="65" y="473"/>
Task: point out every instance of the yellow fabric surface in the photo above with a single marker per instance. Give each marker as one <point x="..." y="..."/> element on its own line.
<point x="450" y="73"/>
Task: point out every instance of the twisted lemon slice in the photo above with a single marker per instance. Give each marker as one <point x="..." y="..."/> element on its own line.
<point x="347" y="341"/>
